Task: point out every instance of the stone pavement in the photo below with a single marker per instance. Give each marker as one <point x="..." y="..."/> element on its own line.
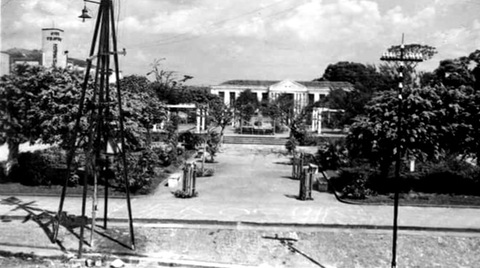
<point x="254" y="185"/>
<point x="251" y="184"/>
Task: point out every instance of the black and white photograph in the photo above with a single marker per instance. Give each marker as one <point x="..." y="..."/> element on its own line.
<point x="240" y="133"/>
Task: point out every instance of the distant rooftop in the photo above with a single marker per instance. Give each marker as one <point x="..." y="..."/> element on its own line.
<point x="36" y="55"/>
<point x="309" y="84"/>
<point x="22" y="53"/>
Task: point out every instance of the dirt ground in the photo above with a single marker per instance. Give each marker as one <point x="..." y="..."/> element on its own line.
<point x="263" y="248"/>
<point x="319" y="248"/>
<point x="352" y="248"/>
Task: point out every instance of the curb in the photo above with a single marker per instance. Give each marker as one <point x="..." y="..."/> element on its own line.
<point x="108" y="257"/>
<point x="249" y="225"/>
<point x="359" y="203"/>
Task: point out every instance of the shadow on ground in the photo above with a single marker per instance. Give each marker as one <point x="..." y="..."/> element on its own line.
<point x="289" y="244"/>
<point x="47" y="221"/>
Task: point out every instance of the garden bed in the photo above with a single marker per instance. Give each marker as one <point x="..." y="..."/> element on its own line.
<point x="16" y="188"/>
<point x="420" y="199"/>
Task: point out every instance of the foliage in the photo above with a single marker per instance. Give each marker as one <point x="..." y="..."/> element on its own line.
<point x="141" y="111"/>
<point x="352" y="182"/>
<point x="246" y="104"/>
<point x="438" y="121"/>
<point x="167" y="155"/>
<point x="291" y="145"/>
<point x="37" y="104"/>
<point x="190" y="140"/>
<point x="331" y="155"/>
<point x="450" y="175"/>
<point x="220" y="114"/>
<point x="213" y="144"/>
<point x="141" y="170"/>
<point x="299" y="127"/>
<point x="366" y="79"/>
<point x="184" y="194"/>
<point x="45" y="167"/>
<point x="172" y="90"/>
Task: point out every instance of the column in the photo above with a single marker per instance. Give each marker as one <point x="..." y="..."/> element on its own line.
<point x="203" y="112"/>
<point x="316" y="97"/>
<point x="319" y="131"/>
<point x="227" y="98"/>
<point x="198" y="120"/>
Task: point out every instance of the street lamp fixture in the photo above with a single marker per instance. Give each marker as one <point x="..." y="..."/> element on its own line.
<point x="84" y="13"/>
<point x="402" y="57"/>
<point x="85" y="10"/>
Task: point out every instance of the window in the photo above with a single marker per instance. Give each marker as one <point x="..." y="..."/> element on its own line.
<point x="221" y="94"/>
<point x="232" y="98"/>
<point x="311" y="98"/>
<point x="265" y="96"/>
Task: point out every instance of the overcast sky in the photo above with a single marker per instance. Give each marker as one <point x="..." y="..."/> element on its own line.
<point x="219" y="40"/>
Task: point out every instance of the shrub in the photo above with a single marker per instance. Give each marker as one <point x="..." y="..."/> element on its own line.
<point x="184" y="194"/>
<point x="449" y="176"/>
<point x="190" y="140"/>
<point x="46" y="167"/>
<point x="354" y="182"/>
<point x="332" y="155"/>
<point x="141" y="170"/>
<point x="291" y="145"/>
<point x="166" y="154"/>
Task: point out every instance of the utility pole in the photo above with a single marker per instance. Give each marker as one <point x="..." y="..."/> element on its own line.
<point x="402" y="58"/>
<point x="102" y="124"/>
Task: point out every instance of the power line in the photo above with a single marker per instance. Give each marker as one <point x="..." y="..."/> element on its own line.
<point x="172" y="40"/>
<point x="177" y="38"/>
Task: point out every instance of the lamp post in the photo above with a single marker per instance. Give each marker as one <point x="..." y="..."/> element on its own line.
<point x="402" y="57"/>
<point x="98" y="115"/>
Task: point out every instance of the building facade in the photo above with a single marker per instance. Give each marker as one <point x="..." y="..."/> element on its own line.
<point x="302" y="92"/>
<point x="52" y="54"/>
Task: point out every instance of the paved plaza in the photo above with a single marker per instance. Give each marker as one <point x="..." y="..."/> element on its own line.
<point x="252" y="185"/>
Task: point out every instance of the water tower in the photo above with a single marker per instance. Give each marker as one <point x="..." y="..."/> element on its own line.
<point x="53" y="54"/>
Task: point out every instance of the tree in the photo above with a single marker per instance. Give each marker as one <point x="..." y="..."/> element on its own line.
<point x="220" y="114"/>
<point x="462" y="71"/>
<point x="37" y="104"/>
<point x="169" y="88"/>
<point x="436" y="124"/>
<point x="142" y="109"/>
<point x="246" y="105"/>
<point x="366" y="79"/>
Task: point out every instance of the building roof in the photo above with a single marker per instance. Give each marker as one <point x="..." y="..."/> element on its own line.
<point x="308" y="84"/>
<point x="35" y="54"/>
<point x="21" y="53"/>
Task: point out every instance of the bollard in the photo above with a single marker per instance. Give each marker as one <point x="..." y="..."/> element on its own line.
<point x="306" y="182"/>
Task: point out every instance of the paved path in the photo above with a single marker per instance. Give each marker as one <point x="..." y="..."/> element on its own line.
<point x="253" y="185"/>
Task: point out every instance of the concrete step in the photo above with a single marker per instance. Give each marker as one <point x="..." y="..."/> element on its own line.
<point x="263" y="140"/>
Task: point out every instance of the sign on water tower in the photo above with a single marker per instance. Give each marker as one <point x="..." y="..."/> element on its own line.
<point x="52" y="48"/>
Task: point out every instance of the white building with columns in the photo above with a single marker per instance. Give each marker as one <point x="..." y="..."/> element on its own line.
<point x="303" y="92"/>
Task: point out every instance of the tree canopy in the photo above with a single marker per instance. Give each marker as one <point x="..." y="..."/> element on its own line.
<point x="246" y="104"/>
<point x="37" y="103"/>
